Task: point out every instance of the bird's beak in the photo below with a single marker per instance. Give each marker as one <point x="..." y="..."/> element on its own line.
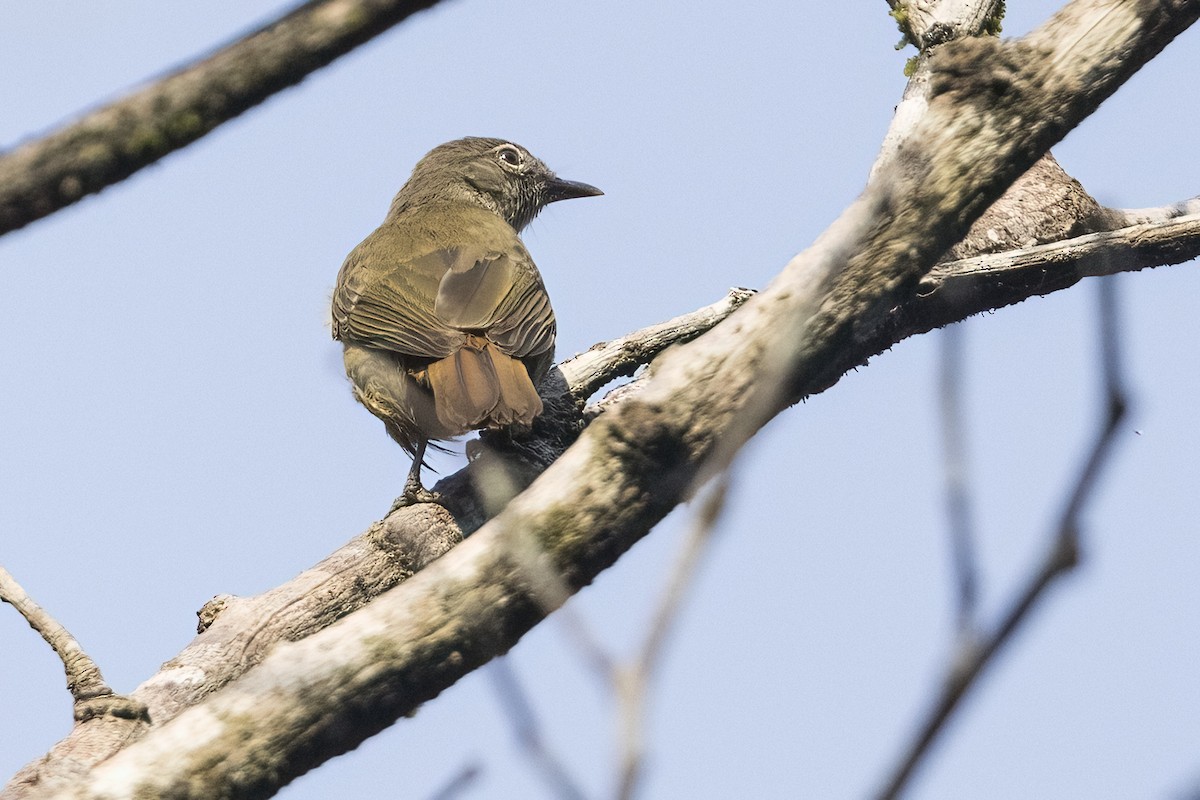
<point x="558" y="189"/>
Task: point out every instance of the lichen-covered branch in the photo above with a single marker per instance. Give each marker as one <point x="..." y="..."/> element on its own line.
<point x="928" y="23"/>
<point x="109" y="144"/>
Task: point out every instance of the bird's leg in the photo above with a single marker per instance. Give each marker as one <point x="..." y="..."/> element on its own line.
<point x="414" y="492"/>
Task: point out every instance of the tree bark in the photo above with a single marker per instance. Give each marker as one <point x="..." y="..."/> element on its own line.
<point x="111" y="143"/>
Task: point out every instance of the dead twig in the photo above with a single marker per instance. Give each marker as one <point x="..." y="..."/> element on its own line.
<point x="528" y="731"/>
<point x="632" y="681"/>
<point x="974" y="656"/>
<point x="954" y="465"/>
<point x="92" y="695"/>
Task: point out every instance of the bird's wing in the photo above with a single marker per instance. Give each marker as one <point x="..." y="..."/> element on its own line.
<point x="388" y="303"/>
<point x="500" y="295"/>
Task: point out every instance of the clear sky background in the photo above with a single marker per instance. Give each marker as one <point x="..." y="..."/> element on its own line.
<point x="175" y="422"/>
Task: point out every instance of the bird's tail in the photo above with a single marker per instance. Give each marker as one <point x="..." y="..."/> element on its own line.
<point x="479" y="386"/>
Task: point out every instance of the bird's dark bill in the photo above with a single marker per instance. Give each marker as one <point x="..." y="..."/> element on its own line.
<point x="558" y="189"/>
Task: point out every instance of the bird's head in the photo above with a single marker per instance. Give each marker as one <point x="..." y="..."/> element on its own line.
<point x="499" y="175"/>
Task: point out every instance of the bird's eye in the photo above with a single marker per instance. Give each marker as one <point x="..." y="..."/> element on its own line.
<point x="509" y="155"/>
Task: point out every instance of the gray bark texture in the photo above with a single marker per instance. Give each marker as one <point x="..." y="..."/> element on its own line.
<point x="111" y="143"/>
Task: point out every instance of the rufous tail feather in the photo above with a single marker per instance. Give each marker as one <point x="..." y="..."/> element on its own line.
<point x="479" y="386"/>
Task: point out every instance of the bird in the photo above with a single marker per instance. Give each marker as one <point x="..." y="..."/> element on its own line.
<point x="444" y="319"/>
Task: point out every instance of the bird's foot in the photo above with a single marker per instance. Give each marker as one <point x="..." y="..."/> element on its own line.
<point x="414" y="495"/>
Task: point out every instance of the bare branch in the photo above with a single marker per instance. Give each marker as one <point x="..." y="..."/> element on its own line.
<point x="954" y="464"/>
<point x="973" y="656"/>
<point x="460" y="783"/>
<point x="927" y="24"/>
<point x="92" y="695"/>
<point x="932" y="22"/>
<point x="1120" y="217"/>
<point x="111" y="143"/>
<point x="524" y="721"/>
<point x="633" y="681"/>
<point x="955" y="289"/>
<point x="589" y="371"/>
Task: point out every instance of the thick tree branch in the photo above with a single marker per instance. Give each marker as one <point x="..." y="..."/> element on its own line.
<point x="994" y="110"/>
<point x="111" y="143"/>
<point x="1043" y="205"/>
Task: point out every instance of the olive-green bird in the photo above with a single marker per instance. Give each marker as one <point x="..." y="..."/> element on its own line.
<point x="446" y="324"/>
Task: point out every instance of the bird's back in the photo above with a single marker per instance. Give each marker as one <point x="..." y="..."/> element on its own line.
<point x="430" y="275"/>
<point x="451" y="294"/>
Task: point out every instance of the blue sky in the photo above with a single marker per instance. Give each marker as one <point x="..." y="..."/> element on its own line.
<point x="175" y="422"/>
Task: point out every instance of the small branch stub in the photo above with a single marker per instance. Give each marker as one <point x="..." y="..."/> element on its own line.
<point x="92" y="695"/>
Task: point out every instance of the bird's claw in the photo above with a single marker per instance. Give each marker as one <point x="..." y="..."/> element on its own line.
<point x="414" y="495"/>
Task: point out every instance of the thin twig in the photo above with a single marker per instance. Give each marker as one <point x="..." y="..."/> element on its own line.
<point x="84" y="680"/>
<point x="588" y="645"/>
<point x="463" y="780"/>
<point x="525" y="724"/>
<point x="1158" y="214"/>
<point x="954" y="464"/>
<point x="590" y="370"/>
<point x="633" y="681"/>
<point x="973" y="658"/>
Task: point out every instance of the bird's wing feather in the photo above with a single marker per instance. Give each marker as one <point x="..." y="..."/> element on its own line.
<point x="393" y="308"/>
<point x="472" y="288"/>
<point x="500" y="295"/>
<point x="425" y="305"/>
